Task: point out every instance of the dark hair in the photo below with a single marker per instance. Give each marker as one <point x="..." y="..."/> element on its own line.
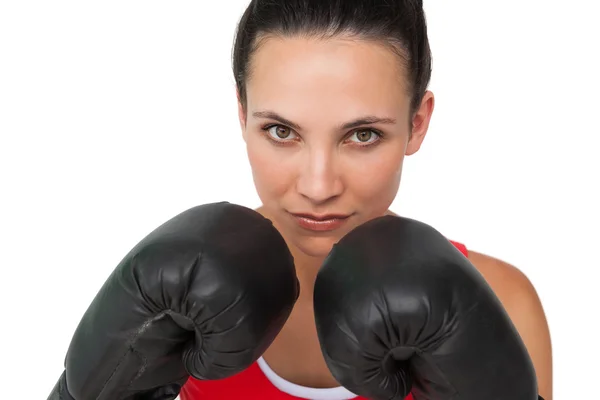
<point x="400" y="24"/>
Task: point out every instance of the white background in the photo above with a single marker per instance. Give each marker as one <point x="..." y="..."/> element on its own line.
<point x="117" y="115"/>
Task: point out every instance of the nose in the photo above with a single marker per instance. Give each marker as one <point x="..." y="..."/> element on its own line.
<point x="319" y="180"/>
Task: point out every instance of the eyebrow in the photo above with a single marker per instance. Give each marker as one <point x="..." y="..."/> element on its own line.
<point x="366" y="120"/>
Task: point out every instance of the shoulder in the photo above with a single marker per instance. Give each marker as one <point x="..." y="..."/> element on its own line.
<point x="511" y="285"/>
<point x="522" y="303"/>
<point x="506" y="280"/>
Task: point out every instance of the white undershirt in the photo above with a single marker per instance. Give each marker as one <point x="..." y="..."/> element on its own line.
<point x="336" y="393"/>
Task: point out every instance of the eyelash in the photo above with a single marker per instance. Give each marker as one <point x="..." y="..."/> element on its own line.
<point x="266" y="129"/>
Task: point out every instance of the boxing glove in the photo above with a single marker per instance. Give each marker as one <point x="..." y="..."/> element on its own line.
<point x="203" y="295"/>
<point x="400" y="310"/>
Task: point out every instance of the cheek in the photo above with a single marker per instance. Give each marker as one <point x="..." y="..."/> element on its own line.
<point x="375" y="180"/>
<point x="271" y="178"/>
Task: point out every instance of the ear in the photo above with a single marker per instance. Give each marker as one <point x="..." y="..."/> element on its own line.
<point x="420" y="123"/>
<point x="241" y="114"/>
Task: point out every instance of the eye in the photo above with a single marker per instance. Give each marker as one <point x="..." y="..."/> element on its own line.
<point x="365" y="137"/>
<point x="280" y="133"/>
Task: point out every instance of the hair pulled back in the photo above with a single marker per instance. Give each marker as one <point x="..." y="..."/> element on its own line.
<point x="401" y="24"/>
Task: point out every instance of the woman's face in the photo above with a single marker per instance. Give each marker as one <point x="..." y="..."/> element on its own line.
<point x="327" y="126"/>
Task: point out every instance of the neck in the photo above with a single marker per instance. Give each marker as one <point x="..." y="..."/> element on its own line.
<point x="307" y="269"/>
<point x="296" y="354"/>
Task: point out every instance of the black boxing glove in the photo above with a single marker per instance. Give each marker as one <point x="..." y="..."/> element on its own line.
<point x="204" y="295"/>
<point x="399" y="309"/>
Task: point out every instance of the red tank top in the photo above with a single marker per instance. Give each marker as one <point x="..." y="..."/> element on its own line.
<point x="250" y="384"/>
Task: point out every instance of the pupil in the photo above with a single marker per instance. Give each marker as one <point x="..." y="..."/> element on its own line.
<point x="364" y="136"/>
<point x="282" y="132"/>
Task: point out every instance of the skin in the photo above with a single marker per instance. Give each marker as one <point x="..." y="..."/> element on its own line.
<point x="302" y="160"/>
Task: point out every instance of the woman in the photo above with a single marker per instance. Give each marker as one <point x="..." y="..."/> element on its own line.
<point x="332" y="96"/>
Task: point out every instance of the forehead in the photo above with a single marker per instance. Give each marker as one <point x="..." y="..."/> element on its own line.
<point x="309" y="74"/>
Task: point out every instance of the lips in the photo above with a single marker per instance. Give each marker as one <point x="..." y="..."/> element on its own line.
<point x="324" y="217"/>
<point x="320" y="223"/>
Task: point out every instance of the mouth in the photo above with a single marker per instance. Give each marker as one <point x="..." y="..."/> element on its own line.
<point x="320" y="223"/>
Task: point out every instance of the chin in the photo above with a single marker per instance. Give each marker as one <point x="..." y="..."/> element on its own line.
<point x="315" y="246"/>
